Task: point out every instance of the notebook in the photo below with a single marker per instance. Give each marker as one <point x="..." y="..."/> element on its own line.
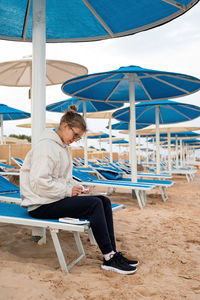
<point x="73" y="221"/>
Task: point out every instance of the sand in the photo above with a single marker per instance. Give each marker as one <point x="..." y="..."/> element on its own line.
<point x="165" y="237"/>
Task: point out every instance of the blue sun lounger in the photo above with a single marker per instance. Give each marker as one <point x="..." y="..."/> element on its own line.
<point x="12" y="213"/>
<point x="88" y="179"/>
<point x="9" y="192"/>
<point x="107" y="173"/>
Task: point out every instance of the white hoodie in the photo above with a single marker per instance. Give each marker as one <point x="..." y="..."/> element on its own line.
<point x="46" y="174"/>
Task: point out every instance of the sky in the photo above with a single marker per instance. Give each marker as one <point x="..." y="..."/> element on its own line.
<point x="173" y="47"/>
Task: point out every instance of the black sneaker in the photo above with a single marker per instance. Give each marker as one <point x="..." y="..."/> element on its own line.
<point x="131" y="262"/>
<point x="117" y="264"/>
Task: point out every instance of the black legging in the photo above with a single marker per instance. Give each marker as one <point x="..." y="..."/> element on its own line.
<point x="96" y="209"/>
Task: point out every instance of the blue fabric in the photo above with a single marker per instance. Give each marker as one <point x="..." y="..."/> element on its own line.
<point x="91" y="106"/>
<point x="10" y="113"/>
<point x="120" y="142"/>
<point x="6" y="166"/>
<point x="110" y="175"/>
<point x="63" y="23"/>
<point x="99" y="136"/>
<point x="170" y="112"/>
<point x="113" y="86"/>
<point x="6" y="186"/>
<point x="124" y="126"/>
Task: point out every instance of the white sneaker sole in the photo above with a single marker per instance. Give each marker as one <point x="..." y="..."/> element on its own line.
<point x="108" y="268"/>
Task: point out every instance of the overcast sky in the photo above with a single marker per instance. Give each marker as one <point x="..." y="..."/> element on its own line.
<point x="173" y="47"/>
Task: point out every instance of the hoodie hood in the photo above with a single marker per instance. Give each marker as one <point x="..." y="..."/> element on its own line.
<point x="50" y="134"/>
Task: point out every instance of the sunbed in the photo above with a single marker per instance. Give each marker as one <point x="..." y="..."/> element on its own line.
<point x="108" y="173"/>
<point x="88" y="179"/>
<point x="12" y="213"/>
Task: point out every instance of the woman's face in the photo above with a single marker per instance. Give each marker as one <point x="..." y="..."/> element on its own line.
<point x="69" y="134"/>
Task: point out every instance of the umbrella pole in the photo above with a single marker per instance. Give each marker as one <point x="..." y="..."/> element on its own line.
<point x="147" y="150"/>
<point x="1" y="121"/>
<point x="85" y="138"/>
<point x="139" y="160"/>
<point x="38" y="109"/>
<point x="132" y="132"/>
<point x="169" y="153"/>
<point x="157" y="141"/>
<point x="176" y="151"/>
<point x="181" y="153"/>
<point x="110" y="139"/>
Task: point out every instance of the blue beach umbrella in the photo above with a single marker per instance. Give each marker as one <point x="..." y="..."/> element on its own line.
<point x="9" y="113"/>
<point x="120" y="142"/>
<point x="100" y="136"/>
<point x="91" y="106"/>
<point x="43" y="21"/>
<point x="160" y="112"/>
<point x="87" y="20"/>
<point x="125" y="126"/>
<point x="130" y="84"/>
<point x="83" y="107"/>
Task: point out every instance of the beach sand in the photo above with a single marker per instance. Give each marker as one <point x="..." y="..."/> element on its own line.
<point x="165" y="237"/>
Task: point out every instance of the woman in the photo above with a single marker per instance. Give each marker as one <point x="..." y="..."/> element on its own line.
<point x="49" y="192"/>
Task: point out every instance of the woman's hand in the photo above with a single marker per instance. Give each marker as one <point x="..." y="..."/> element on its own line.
<point x="77" y="190"/>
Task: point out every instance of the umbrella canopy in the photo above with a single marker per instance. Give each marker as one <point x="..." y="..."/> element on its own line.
<point x="113" y="86"/>
<point x="9" y="113"/>
<point x="130" y="84"/>
<point x="169" y="112"/>
<point x="99" y="136"/>
<point x="120" y="142"/>
<point x="125" y="126"/>
<point x="160" y="112"/>
<point x="91" y="106"/>
<point x="19" y="72"/>
<point x="169" y="128"/>
<point x="182" y="135"/>
<point x="96" y="20"/>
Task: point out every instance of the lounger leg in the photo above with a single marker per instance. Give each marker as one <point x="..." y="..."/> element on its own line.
<point x="59" y="251"/>
<point x="141" y="198"/>
<point x="163" y="192"/>
<point x="188" y="178"/>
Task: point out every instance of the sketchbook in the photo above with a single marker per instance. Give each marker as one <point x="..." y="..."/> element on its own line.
<point x="73" y="221"/>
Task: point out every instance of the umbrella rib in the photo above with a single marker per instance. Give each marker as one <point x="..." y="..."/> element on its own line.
<point x="26" y="20"/>
<point x="51" y="63"/>
<point x="90" y="85"/>
<point x="170" y="84"/>
<point x="101" y="21"/>
<point x="93" y="106"/>
<point x="181" y="113"/>
<point x="48" y="78"/>
<point x="114" y="88"/>
<point x="175" y="3"/>
<point x="144" y="88"/>
<point x="142" y="113"/>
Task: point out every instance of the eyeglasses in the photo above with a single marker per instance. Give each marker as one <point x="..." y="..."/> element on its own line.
<point x="76" y="137"/>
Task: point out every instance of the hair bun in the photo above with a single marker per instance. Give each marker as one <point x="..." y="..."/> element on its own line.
<point x="73" y="107"/>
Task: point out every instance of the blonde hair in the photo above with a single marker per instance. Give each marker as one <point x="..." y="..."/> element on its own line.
<point x="73" y="119"/>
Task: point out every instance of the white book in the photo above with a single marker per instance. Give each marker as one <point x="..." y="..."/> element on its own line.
<point x="73" y="221"/>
